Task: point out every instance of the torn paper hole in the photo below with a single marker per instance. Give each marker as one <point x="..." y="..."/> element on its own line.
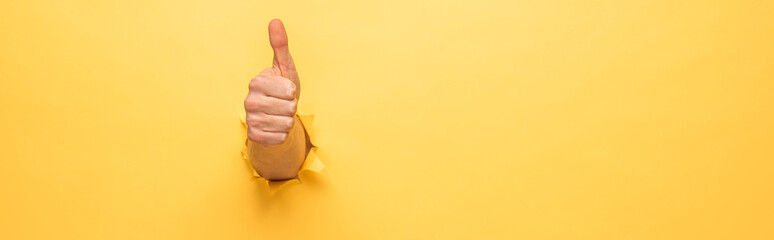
<point x="312" y="163"/>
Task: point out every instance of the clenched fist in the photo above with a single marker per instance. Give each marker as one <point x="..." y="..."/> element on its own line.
<point x="278" y="143"/>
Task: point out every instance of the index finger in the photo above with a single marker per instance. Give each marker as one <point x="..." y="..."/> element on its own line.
<point x="274" y="86"/>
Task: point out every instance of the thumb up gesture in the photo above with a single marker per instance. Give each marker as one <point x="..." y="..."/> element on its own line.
<point x="273" y="96"/>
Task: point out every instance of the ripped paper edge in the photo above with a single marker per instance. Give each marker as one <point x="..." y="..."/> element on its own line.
<point x="311" y="163"/>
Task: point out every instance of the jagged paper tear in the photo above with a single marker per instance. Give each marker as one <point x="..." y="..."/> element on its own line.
<point x="312" y="164"/>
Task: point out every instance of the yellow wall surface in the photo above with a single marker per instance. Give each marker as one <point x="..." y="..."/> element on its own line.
<point x="493" y="119"/>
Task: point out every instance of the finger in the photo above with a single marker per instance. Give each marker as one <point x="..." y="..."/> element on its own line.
<point x="270" y="123"/>
<point x="279" y="43"/>
<point x="270" y="105"/>
<point x="274" y="86"/>
<point x="266" y="138"/>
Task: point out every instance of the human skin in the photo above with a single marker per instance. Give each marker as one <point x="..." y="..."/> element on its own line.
<point x="277" y="143"/>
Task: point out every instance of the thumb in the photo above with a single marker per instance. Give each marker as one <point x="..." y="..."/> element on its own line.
<point x="279" y="43"/>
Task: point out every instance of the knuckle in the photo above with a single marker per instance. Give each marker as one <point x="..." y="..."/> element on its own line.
<point x="289" y="124"/>
<point x="292" y="89"/>
<point x="259" y="83"/>
<point x="293" y="107"/>
<point x="255" y="83"/>
<point x="253" y="120"/>
<point x="249" y="103"/>
<point x="282" y="124"/>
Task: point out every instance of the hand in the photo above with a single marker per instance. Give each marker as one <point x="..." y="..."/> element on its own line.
<point x="272" y="100"/>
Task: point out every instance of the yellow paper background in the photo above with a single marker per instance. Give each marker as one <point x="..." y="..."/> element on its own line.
<point x="435" y="119"/>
